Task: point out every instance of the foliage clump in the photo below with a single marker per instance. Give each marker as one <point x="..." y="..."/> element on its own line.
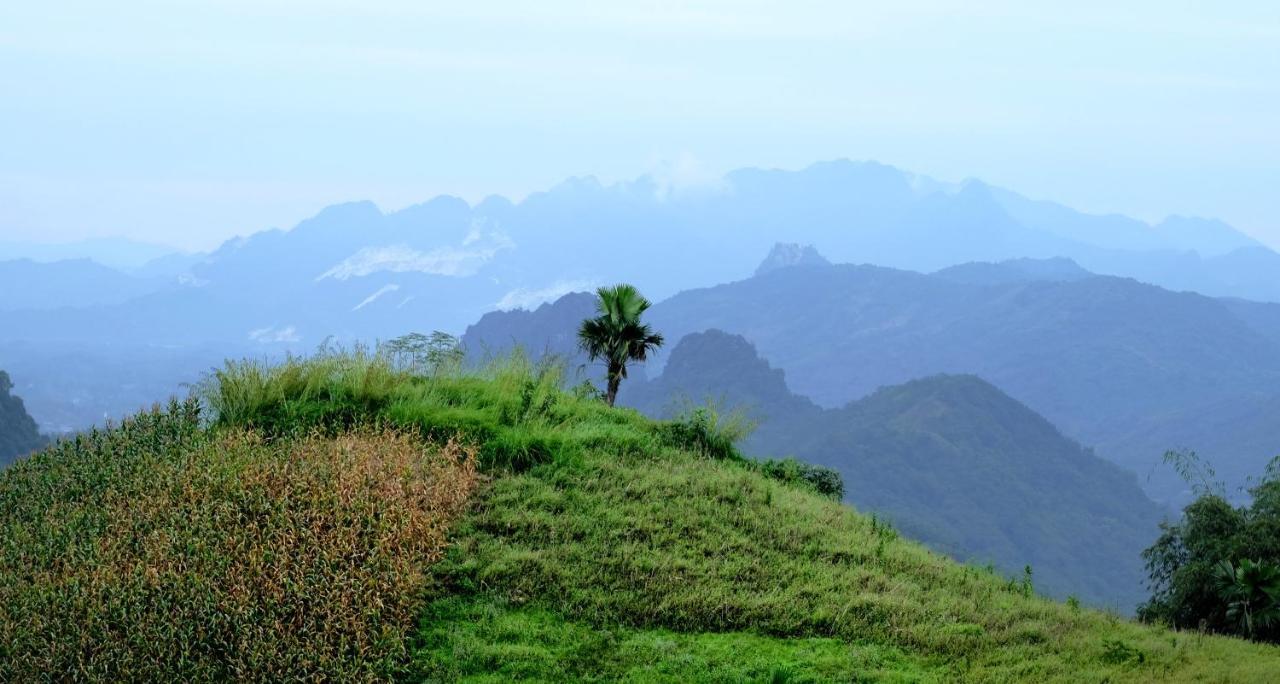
<point x="709" y="431"/>
<point x="159" y="550"/>
<point x="713" y="432"/>
<point x="1218" y="568"/>
<point x="825" y="481"/>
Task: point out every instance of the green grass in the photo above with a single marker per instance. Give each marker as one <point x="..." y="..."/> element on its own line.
<point x="606" y="547"/>
<point x="665" y="541"/>
<point x="486" y="641"/>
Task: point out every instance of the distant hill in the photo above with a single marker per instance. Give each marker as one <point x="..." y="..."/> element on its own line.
<point x="951" y="460"/>
<point x="19" y="434"/>
<point x="28" y="284"/>
<point x="116" y="253"/>
<point x="550" y="329"/>
<point x="1014" y="271"/>
<point x="1130" y="368"/>
<point x="68" y="387"/>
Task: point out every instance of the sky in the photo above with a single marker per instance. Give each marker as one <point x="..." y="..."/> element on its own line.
<point x="186" y="123"/>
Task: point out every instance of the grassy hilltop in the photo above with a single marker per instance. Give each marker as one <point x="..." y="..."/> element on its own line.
<point x="340" y="519"/>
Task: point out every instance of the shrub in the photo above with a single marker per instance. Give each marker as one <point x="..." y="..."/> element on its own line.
<point x="158" y="551"/>
<point x="708" y="431"/>
<point x="823" y="480"/>
<point x="1118" y="652"/>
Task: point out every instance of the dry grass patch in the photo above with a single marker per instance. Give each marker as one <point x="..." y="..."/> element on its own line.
<point x="216" y="556"/>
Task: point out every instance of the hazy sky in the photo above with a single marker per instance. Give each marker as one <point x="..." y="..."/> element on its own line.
<point x="188" y="122"/>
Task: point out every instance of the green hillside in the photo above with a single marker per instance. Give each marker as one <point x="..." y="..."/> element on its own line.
<point x="299" y="532"/>
<point x="951" y="460"/>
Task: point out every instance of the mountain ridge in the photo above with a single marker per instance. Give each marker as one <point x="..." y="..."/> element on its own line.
<point x="949" y="459"/>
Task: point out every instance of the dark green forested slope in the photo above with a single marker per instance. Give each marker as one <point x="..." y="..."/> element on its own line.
<point x="950" y="460"/>
<point x="19" y="434"/>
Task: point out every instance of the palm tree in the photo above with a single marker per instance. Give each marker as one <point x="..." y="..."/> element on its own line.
<point x="1252" y="592"/>
<point x="616" y="335"/>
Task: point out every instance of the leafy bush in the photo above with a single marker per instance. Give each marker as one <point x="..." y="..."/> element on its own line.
<point x="1117" y="652"/>
<point x="1218" y="568"/>
<point x="158" y="551"/>
<point x="709" y="431"/>
<point x="823" y="480"/>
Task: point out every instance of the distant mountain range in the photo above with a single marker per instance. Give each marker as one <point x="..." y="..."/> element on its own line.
<point x="1011" y="294"/>
<point x="949" y="459"/>
<point x="1131" y="369"/>
<point x="353" y="271"/>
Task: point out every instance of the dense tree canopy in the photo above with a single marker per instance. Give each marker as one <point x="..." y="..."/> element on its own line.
<point x="1219" y="567"/>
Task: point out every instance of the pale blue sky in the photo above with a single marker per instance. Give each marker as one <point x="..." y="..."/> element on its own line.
<point x="188" y="122"/>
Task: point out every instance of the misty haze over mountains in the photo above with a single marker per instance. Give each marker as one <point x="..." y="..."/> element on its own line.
<point x="925" y="339"/>
<point x="347" y="269"/>
<point x="1013" y="296"/>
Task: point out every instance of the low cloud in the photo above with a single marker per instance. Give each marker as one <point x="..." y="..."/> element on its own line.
<point x="525" y="298"/>
<point x="684" y="175"/>
<point x="373" y="297"/>
<point x="464" y="260"/>
<point x="272" y="334"/>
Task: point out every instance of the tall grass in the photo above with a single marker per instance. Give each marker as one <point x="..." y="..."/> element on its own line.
<point x="159" y="551"/>
<point x="331" y="389"/>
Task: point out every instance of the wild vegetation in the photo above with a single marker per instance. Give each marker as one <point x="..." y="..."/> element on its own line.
<point x="161" y="551"/>
<point x="599" y="545"/>
<point x="1218" y="568"/>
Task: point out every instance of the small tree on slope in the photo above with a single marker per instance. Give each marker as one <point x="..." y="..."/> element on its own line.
<point x="616" y="335"/>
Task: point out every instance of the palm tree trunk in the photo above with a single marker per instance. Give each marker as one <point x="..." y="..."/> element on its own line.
<point x="614" y="379"/>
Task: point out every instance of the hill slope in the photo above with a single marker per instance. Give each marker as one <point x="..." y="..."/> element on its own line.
<point x="605" y="546"/>
<point x="950" y="460"/>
